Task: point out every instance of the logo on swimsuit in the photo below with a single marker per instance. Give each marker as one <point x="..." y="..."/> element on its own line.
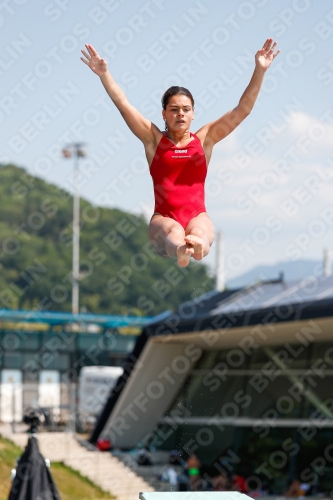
<point x="180" y="150"/>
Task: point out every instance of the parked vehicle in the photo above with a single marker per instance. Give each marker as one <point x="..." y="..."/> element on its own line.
<point x="95" y="385"/>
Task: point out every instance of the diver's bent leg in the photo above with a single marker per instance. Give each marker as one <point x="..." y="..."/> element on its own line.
<point x="167" y="235"/>
<point x="200" y="235"/>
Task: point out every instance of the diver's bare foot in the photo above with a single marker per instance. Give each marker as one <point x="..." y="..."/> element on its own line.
<point x="197" y="245"/>
<point x="184" y="253"/>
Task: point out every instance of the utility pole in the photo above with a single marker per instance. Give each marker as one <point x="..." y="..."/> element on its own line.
<point x="327" y="263"/>
<point x="220" y="267"/>
<point x="75" y="150"/>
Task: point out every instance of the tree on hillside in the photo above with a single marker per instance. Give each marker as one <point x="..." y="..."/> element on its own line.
<point x="120" y="273"/>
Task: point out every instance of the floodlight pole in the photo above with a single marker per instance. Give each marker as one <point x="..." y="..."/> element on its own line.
<point x="76" y="150"/>
<point x="76" y="236"/>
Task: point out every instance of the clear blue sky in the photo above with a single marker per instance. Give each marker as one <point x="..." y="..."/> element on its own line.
<point x="269" y="186"/>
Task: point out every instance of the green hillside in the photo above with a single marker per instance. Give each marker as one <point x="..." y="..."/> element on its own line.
<point x="120" y="272"/>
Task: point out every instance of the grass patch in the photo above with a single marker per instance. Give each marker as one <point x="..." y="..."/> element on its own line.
<point x="9" y="452"/>
<point x="71" y="485"/>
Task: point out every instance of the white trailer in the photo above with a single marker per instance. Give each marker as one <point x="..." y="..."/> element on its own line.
<point x="11" y="396"/>
<point x="95" y="384"/>
<point x="49" y="392"/>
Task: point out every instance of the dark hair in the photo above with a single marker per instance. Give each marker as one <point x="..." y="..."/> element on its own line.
<point x="175" y="91"/>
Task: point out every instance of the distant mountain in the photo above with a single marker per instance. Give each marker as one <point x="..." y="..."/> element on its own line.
<point x="291" y="271"/>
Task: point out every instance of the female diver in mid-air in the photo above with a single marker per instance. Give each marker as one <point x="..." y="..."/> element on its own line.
<point x="180" y="226"/>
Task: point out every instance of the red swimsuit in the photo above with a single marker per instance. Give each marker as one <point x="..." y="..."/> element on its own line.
<point x="179" y="176"/>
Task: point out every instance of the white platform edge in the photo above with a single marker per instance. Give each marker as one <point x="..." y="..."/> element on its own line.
<point x="192" y="495"/>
